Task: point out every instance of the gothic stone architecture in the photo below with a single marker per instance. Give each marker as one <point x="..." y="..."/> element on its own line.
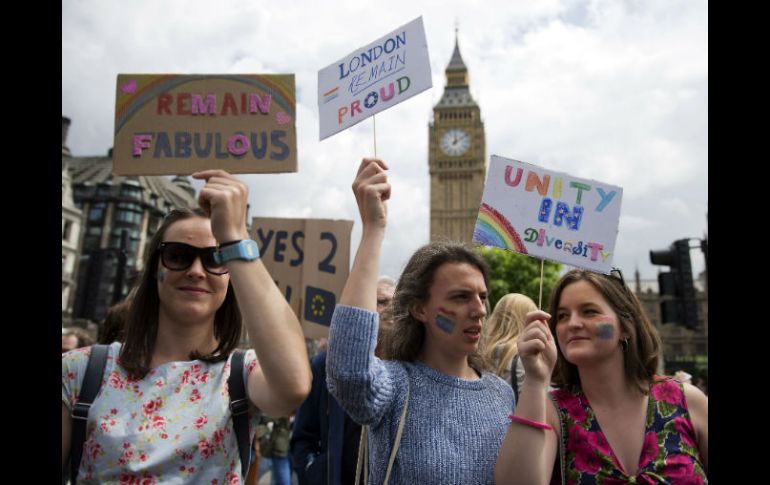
<point x="457" y="157"/>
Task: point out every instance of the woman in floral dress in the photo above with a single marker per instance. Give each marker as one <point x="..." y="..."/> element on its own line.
<point x="162" y="414"/>
<point x="621" y="422"/>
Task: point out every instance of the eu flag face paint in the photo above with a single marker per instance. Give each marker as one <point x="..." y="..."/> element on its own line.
<point x="605" y="331"/>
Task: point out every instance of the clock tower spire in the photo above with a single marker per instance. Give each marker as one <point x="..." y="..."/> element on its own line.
<point x="456" y="156"/>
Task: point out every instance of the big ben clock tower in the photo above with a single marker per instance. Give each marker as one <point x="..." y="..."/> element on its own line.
<point x="457" y="157"/>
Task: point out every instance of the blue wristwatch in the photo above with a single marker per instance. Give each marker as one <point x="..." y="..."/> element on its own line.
<point x="245" y="249"/>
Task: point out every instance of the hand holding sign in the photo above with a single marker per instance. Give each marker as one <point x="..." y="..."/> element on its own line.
<point x="537" y="347"/>
<point x="372" y="190"/>
<point x="224" y="198"/>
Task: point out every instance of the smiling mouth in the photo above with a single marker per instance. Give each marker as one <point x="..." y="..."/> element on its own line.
<point x="194" y="290"/>
<point x="574" y="339"/>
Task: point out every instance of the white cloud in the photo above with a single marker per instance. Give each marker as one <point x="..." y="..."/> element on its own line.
<point x="607" y="90"/>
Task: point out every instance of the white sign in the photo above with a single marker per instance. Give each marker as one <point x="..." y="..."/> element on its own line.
<point x="373" y="78"/>
<point x="548" y="214"/>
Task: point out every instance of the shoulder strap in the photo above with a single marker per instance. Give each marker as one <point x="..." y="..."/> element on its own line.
<point x="362" y="463"/>
<point x="92" y="382"/>
<point x="239" y="407"/>
<point x="401" y="422"/>
<point x="363" y="447"/>
<point x="515" y="378"/>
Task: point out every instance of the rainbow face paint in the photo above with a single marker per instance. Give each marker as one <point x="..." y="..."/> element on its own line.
<point x="605" y="331"/>
<point x="445" y="324"/>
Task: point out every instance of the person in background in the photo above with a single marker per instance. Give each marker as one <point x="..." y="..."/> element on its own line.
<point x="164" y="414"/>
<point x="501" y="332"/>
<point x="74" y="338"/>
<point x="273" y="437"/>
<point x="623" y="423"/>
<point x="324" y="442"/>
<point x="683" y="377"/>
<point x="457" y="411"/>
<point x="386" y="286"/>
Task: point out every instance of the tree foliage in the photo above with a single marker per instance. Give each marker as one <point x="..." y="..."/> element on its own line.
<point x="517" y="273"/>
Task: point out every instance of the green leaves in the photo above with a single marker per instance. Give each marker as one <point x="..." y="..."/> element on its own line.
<point x="517" y="273"/>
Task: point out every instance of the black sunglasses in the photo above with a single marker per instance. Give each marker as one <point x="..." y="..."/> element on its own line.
<point x="178" y="256"/>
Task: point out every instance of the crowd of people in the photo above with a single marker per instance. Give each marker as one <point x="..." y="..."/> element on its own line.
<point x="418" y="383"/>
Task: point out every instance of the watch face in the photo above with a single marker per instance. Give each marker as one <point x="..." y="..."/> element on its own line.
<point x="455" y="142"/>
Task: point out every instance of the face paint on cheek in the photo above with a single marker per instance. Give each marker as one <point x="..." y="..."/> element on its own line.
<point x="445" y="324"/>
<point x="161" y="275"/>
<point x="605" y="331"/>
<point x="447" y="312"/>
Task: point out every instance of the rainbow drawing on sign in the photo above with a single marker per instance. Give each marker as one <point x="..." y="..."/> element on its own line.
<point x="493" y="229"/>
<point x="331" y="94"/>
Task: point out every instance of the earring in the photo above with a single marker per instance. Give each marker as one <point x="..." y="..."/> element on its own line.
<point x="624" y="344"/>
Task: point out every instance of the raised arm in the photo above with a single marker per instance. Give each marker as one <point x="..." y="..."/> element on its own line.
<point x="282" y="378"/>
<point x="527" y="453"/>
<point x="359" y="380"/>
<point x="372" y="190"/>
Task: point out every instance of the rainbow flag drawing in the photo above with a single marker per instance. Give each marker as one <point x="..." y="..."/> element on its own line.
<point x="331" y="94"/>
<point x="493" y="229"/>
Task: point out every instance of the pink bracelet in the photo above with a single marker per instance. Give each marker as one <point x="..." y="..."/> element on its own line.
<point x="529" y="422"/>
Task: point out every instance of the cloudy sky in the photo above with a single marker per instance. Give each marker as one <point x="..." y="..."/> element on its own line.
<point x="610" y="90"/>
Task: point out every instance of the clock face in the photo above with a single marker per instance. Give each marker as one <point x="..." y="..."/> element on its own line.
<point x="455" y="142"/>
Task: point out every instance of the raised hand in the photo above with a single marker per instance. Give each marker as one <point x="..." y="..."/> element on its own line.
<point x="537" y="347"/>
<point x="372" y="189"/>
<point x="224" y="198"/>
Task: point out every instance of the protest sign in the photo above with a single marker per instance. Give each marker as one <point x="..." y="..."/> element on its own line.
<point x="179" y="124"/>
<point x="309" y="259"/>
<point x="373" y="78"/>
<point x="547" y="214"/>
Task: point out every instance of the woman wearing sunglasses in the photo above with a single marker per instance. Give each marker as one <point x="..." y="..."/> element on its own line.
<point x="163" y="412"/>
<point x="613" y="418"/>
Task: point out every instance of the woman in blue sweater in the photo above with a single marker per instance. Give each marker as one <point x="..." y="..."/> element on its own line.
<point x="457" y="413"/>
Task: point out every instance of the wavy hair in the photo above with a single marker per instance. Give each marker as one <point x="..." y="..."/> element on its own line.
<point x="141" y="325"/>
<point x="640" y="360"/>
<point x="502" y="330"/>
<point x="406" y="337"/>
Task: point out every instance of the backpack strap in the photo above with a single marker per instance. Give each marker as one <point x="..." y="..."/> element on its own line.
<point x="239" y="407"/>
<point x="514" y="378"/>
<point x="92" y="382"/>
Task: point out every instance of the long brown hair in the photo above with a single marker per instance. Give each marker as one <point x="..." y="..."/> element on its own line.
<point x="141" y="327"/>
<point x="502" y="329"/>
<point x="406" y="337"/>
<point x="640" y="359"/>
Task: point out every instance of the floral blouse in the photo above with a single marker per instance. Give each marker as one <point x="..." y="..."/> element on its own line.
<point x="172" y="426"/>
<point x="669" y="453"/>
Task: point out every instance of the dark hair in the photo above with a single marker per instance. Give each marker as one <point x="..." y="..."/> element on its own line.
<point x="406" y="337"/>
<point x="640" y="360"/>
<point x="141" y="327"/>
<point x="112" y="328"/>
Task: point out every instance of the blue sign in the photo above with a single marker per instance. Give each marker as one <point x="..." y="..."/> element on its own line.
<point x="319" y="305"/>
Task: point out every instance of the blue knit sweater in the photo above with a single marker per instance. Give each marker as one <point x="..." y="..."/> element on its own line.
<point x="454" y="427"/>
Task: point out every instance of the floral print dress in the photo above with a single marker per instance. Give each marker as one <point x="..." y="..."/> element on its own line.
<point x="172" y="426"/>
<point x="669" y="453"/>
